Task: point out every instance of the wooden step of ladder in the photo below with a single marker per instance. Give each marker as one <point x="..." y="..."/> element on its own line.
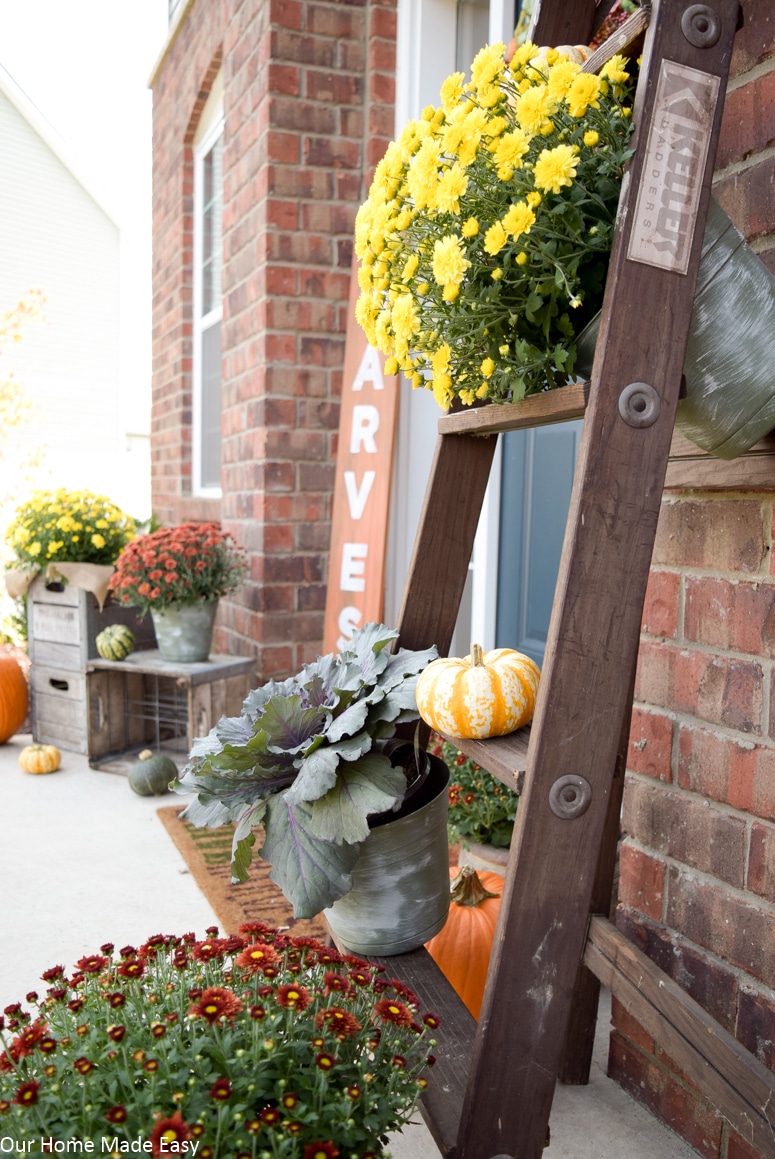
<point x="491" y="1090"/>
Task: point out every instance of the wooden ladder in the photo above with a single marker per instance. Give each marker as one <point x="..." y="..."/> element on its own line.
<point x="552" y="949"/>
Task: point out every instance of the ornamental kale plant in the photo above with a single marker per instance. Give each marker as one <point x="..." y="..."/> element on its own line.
<point x="306" y="760"/>
<point x="485" y="238"/>
<point x="226" y="1048"/>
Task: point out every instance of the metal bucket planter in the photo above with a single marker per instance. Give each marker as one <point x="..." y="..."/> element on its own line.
<point x="184" y="632"/>
<point x="730" y="385"/>
<point x="400" y="893"/>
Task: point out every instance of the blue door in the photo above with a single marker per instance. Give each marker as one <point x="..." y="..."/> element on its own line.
<point x="536" y="481"/>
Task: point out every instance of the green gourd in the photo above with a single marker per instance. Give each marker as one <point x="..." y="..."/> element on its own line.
<point x="115" y="642"/>
<point x="151" y="776"/>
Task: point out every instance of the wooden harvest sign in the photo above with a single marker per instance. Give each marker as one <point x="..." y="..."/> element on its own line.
<point x="356" y="568"/>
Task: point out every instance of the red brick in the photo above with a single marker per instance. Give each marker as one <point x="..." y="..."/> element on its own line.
<point x="747" y="198"/>
<point x="755" y="41"/>
<point x="735" y="616"/>
<point x="737" y="1148"/>
<point x="761" y="861"/>
<point x="727" y="769"/>
<point x="660" y="611"/>
<point x="641" y="881"/>
<point x="627" y="1027"/>
<point x="749" y="120"/>
<point x="718" y="534"/>
<point x="651" y="744"/>
<point x="755" y="1027"/>
<point x="718" y="689"/>
<point x="653" y="1085"/>
<point x="722" y="922"/>
<point x="686" y="830"/>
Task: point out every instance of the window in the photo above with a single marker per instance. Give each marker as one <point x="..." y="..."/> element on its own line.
<point x="208" y="260"/>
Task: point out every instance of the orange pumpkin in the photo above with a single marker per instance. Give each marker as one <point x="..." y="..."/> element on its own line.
<point x="13" y="697"/>
<point x="462" y="948"/>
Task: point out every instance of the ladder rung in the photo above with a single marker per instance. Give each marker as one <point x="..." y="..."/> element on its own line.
<point x="620" y="41"/>
<point x="537" y="410"/>
<point x="503" y="756"/>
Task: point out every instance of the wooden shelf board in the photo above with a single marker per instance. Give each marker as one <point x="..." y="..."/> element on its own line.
<point x="553" y="406"/>
<point x="503" y="756"/>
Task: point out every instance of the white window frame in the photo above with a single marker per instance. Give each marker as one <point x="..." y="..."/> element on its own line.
<point x="209" y="130"/>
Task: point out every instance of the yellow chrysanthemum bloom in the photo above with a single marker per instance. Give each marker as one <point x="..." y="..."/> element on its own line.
<point x="561" y="77"/>
<point x="440" y="358"/>
<point x="470" y="228"/>
<point x="524" y="53"/>
<point x="534" y="110"/>
<point x="583" y="94"/>
<point x="410" y="268"/>
<point x="615" y="69"/>
<point x="511" y="148"/>
<point x="97" y="539"/>
<point x="451" y="187"/>
<point x="34" y="549"/>
<point x="483" y="390"/>
<point x="488" y="65"/>
<point x="496" y="125"/>
<point x="556" y="168"/>
<point x="452" y="91"/>
<point x="451" y="292"/>
<point x="533" y="198"/>
<point x="497" y="274"/>
<point x="487" y="367"/>
<point x="521" y="258"/>
<point x="518" y="219"/>
<point x="442" y="390"/>
<point x="488" y="95"/>
<point x="467" y="396"/>
<point x="449" y="263"/>
<point x="591" y="137"/>
<point x="405" y="321"/>
<point x="495" y="239"/>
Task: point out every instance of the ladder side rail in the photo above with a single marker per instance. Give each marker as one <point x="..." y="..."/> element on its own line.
<point x="445" y="540"/>
<point x="595" y="626"/>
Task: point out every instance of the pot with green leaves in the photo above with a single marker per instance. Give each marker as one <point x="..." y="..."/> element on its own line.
<point x="313" y="763"/>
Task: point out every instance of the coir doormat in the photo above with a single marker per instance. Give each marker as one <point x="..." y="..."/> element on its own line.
<point x="207" y="853"/>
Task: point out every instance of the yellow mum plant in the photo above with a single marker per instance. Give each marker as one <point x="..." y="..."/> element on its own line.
<point x="484" y="241"/>
<point x="69" y="527"/>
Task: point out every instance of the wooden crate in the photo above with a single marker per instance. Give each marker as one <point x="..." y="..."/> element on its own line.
<point x="145" y="702"/>
<point x="63" y="623"/>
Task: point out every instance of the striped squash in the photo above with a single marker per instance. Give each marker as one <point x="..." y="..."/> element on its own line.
<point x="115" y="642"/>
<point x="484" y="694"/>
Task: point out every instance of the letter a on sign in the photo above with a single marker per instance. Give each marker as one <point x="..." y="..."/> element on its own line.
<point x="367" y="423"/>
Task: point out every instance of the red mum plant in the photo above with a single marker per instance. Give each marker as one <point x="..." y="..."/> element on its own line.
<point x="188" y="564"/>
<point x="293" y="1049"/>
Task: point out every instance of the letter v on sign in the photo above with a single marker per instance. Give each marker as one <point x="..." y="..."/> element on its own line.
<point x="367" y="423"/>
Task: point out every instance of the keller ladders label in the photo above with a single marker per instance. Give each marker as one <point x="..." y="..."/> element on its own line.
<point x="676" y="152"/>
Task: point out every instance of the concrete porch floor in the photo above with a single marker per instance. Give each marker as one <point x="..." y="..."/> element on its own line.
<point x="83" y="860"/>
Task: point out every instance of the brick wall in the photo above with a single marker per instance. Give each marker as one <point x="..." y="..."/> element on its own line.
<point x="308" y="109"/>
<point x="697" y="884"/>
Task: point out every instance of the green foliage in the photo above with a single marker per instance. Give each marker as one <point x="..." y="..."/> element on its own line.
<point x="481" y="809"/>
<point x="306" y="757"/>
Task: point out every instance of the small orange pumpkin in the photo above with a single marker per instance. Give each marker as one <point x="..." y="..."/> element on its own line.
<point x="14" y="697"/>
<point x="40" y="758"/>
<point x="462" y="948"/>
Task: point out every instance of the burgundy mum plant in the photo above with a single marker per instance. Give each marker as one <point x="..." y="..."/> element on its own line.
<point x="178" y="565"/>
<point x="258" y="1046"/>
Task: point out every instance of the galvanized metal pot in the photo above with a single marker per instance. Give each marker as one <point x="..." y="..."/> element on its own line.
<point x="730" y="383"/>
<point x="184" y="632"/>
<point x="400" y="893"/>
